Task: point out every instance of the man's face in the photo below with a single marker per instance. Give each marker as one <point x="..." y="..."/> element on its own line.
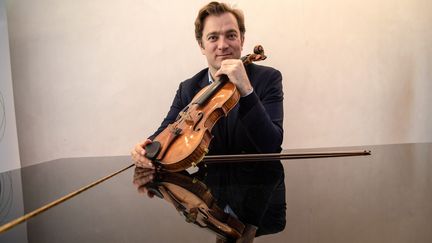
<point x="221" y="40"/>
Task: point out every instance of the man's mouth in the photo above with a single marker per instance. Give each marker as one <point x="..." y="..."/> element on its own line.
<point x="224" y="56"/>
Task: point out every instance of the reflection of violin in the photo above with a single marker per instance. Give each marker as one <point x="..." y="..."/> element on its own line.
<point x="194" y="200"/>
<point x="185" y="142"/>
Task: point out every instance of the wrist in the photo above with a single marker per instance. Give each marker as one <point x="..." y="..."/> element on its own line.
<point x="247" y="92"/>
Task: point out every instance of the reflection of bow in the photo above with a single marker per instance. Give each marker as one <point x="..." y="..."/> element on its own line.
<point x="195" y="202"/>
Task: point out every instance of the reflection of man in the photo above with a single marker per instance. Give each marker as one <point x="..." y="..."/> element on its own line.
<point x="255" y="124"/>
<point x="255" y="195"/>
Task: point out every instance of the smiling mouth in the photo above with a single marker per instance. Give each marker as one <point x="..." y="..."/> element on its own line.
<point x="224" y="56"/>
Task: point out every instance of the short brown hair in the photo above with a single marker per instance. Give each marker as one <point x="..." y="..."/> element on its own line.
<point x="216" y="9"/>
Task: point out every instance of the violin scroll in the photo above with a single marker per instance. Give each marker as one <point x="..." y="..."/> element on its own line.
<point x="258" y="55"/>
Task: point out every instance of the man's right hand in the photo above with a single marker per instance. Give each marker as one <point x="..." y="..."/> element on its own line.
<point x="138" y="157"/>
<point x="142" y="176"/>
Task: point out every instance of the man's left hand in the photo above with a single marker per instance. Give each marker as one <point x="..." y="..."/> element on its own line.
<point x="236" y="73"/>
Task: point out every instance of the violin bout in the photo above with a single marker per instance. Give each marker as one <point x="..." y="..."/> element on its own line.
<point x="195" y="202"/>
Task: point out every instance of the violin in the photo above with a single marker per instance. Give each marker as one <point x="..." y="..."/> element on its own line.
<point x="194" y="200"/>
<point x="185" y="142"/>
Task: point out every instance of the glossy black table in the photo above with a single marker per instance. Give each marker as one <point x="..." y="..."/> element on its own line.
<point x="383" y="197"/>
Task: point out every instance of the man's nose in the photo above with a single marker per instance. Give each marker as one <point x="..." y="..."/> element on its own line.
<point x="222" y="43"/>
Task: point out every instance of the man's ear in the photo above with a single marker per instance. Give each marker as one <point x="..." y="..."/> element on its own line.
<point x="242" y="41"/>
<point x="200" y="44"/>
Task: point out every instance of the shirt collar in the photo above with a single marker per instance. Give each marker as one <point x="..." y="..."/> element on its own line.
<point x="210" y="77"/>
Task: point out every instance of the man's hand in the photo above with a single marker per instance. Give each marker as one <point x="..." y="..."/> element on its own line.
<point x="142" y="176"/>
<point x="236" y="73"/>
<point x="138" y="157"/>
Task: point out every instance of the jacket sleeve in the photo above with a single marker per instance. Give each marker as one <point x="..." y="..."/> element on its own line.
<point x="261" y="114"/>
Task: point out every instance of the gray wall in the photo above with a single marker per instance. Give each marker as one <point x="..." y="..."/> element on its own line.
<point x="91" y="78"/>
<point x="9" y="154"/>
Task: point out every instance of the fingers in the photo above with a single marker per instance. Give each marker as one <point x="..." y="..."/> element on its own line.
<point x="143" y="172"/>
<point x="142" y="176"/>
<point x="143" y="162"/>
<point x="236" y="73"/>
<point x="229" y="66"/>
<point x="138" y="155"/>
<point x="141" y="181"/>
<point x="139" y="147"/>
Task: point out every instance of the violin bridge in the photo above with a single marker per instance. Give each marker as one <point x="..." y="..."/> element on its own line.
<point x="175" y="131"/>
<point x="182" y="113"/>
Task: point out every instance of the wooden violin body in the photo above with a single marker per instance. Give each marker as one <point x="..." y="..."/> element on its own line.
<point x="194" y="201"/>
<point x="185" y="142"/>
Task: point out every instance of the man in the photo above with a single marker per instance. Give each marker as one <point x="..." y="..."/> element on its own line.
<point x="254" y="125"/>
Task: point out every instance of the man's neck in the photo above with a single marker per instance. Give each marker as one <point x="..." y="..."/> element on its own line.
<point x="212" y="72"/>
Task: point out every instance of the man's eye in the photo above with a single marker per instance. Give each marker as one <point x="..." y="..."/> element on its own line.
<point x="232" y="36"/>
<point x="212" y="38"/>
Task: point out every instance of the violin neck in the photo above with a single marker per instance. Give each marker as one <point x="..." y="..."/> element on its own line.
<point x="214" y="87"/>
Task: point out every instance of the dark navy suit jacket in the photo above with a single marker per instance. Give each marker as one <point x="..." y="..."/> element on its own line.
<point x="254" y="125"/>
